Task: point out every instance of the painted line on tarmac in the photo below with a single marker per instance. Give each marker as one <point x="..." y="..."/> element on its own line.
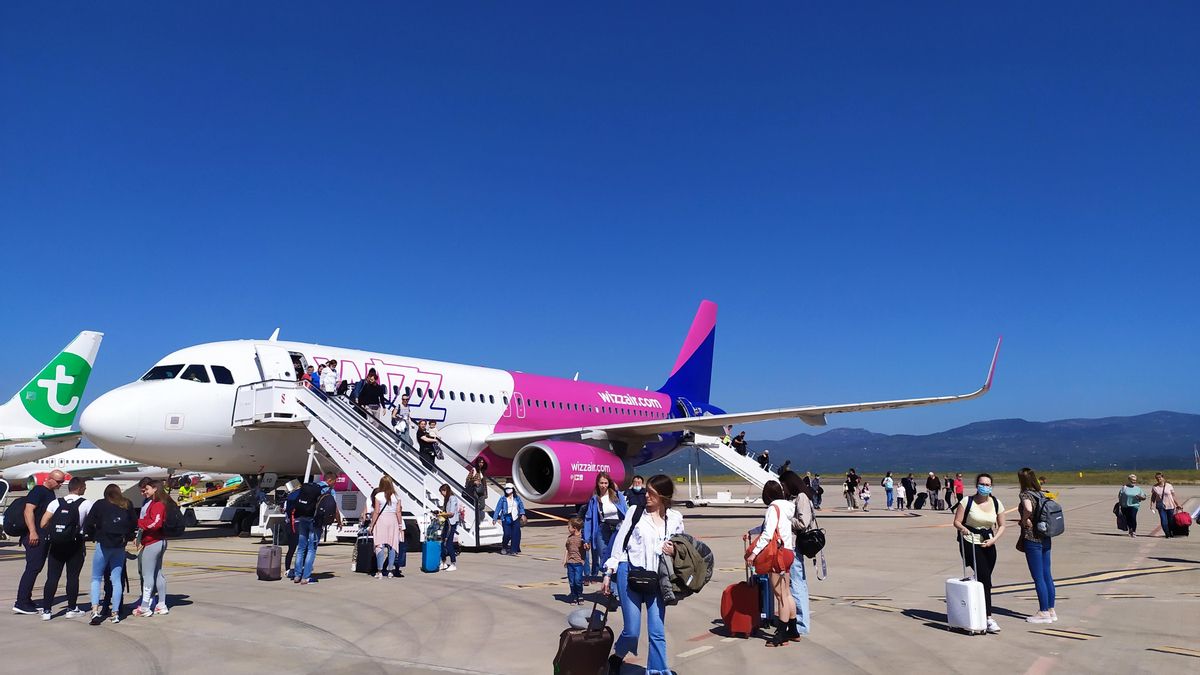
<point x="1068" y="634"/>
<point x="535" y="584"/>
<point x="1026" y="597"/>
<point x="210" y="568"/>
<point x="1182" y="651"/>
<point x="694" y="652"/>
<point x="878" y="607"/>
<point x="855" y="598"/>
<point x="1123" y="596"/>
<point x="825" y="598"/>
<point x="213" y="550"/>
<point x="1099" y="577"/>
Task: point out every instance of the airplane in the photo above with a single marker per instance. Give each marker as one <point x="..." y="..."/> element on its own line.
<point x="36" y="421"/>
<point x="82" y="463"/>
<point x="552" y="435"/>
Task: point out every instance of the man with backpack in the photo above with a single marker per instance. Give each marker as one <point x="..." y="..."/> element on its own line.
<point x="31" y="508"/>
<point x="315" y="509"/>
<point x="62" y="525"/>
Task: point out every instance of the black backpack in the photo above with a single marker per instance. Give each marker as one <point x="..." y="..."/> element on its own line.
<point x="173" y="525"/>
<point x="306" y="501"/>
<point x="64" y="524"/>
<point x="14" y="518"/>
<point x="116" y="527"/>
<point x="326" y="512"/>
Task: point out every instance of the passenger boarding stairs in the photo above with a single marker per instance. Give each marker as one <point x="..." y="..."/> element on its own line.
<point x="365" y="450"/>
<point x="741" y="465"/>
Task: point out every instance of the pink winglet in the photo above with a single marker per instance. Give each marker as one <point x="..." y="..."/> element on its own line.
<point x="992" y="371"/>
<point x="702" y="325"/>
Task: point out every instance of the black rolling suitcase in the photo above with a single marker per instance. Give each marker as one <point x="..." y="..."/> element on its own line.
<point x="920" y="503"/>
<point x="584" y="651"/>
<point x="364" y="552"/>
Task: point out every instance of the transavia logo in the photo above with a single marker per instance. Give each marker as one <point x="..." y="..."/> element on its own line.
<point x="52" y="397"/>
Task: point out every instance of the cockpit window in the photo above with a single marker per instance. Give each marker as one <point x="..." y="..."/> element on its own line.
<point x="163" y="372"/>
<point x="195" y="374"/>
<point x="222" y="375"/>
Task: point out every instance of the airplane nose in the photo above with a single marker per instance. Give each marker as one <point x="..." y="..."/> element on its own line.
<point x="111" y="421"/>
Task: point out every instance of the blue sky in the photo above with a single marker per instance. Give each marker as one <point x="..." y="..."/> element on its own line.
<point x="871" y="193"/>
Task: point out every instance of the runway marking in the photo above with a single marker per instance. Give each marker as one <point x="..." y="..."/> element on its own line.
<point x="820" y="597"/>
<point x="210" y="568"/>
<point x="693" y="652"/>
<point x="1042" y="666"/>
<point x="536" y="584"/>
<point x="731" y="639"/>
<point x="878" y="607"/>
<point x="1099" y="577"/>
<point x="701" y="637"/>
<point x="1027" y="597"/>
<point x="855" y="598"/>
<point x="1068" y="634"/>
<point x="1191" y="595"/>
<point x="1121" y="596"/>
<point x="213" y="550"/>
<point x="1182" y="651"/>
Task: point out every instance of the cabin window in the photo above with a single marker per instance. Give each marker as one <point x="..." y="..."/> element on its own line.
<point x="451" y="396"/>
<point x="505" y="399"/>
<point x="472" y="397"/>
<point x="222" y="375"/>
<point x="163" y="372"/>
<point x="442" y="394"/>
<point x="491" y="399"/>
<point x="195" y="373"/>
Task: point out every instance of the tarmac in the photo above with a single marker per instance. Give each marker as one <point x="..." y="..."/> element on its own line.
<point x="1125" y="605"/>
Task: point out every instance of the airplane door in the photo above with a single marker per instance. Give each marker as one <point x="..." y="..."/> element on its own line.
<point x="275" y="363"/>
<point x="519" y="405"/>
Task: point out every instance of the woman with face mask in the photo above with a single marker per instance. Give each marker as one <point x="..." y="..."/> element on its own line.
<point x="510" y="513"/>
<point x="601" y="518"/>
<point x="980" y="523"/>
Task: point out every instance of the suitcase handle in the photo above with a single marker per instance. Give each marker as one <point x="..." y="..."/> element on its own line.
<point x="592" y="617"/>
<point x="962" y="541"/>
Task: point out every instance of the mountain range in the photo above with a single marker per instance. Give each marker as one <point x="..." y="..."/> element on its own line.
<point x="1157" y="440"/>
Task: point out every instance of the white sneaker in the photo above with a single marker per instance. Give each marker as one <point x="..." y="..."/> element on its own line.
<point x="992" y="626"/>
<point x="451" y="568"/>
<point x="443" y="567"/>
<point x="45" y="616"/>
<point x="1038" y="618"/>
<point x="74" y="612"/>
<point x="162" y="610"/>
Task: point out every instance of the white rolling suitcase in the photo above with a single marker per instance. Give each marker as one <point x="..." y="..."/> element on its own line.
<point x="965" y="606"/>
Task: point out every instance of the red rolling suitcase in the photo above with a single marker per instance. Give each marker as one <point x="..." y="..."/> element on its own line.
<point x="741" y="607"/>
<point x="585" y="651"/>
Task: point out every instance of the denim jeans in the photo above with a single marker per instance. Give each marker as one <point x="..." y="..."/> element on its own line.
<point x="1164" y="517"/>
<point x="1037" y="556"/>
<point x="384" y="558"/>
<point x="890" y="497"/>
<point x="107" y="562"/>
<point x="448" y="533"/>
<point x="575" y="579"/>
<point x="799" y="584"/>
<point x="600" y="554"/>
<point x="631" y="614"/>
<point x="306" y="547"/>
<point x="512" y="535"/>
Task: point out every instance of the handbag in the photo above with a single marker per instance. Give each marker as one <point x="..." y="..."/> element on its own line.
<point x="775" y="557"/>
<point x="639" y="579"/>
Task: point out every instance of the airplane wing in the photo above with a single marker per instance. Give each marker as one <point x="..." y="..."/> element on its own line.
<point x="59" y="439"/>
<point x="713" y="425"/>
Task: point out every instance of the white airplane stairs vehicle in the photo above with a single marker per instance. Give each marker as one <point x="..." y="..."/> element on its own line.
<point x="742" y="465"/>
<point x="366" y="450"/>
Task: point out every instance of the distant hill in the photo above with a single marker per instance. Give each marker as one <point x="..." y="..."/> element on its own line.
<point x="1157" y="440"/>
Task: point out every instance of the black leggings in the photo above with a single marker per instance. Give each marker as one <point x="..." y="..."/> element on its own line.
<point x="72" y="559"/>
<point x="983" y="561"/>
<point x="293" y="538"/>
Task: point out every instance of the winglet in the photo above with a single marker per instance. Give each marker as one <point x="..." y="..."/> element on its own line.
<point x="274" y="336"/>
<point x="992" y="370"/>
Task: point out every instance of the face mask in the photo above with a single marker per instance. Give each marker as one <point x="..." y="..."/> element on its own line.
<point x="984" y="490"/>
<point x="637" y="488"/>
<point x="508" y="491"/>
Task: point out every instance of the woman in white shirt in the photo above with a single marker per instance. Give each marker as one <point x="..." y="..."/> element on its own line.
<point x="777" y="524"/>
<point x="637" y="545"/>
<point x="387" y="525"/>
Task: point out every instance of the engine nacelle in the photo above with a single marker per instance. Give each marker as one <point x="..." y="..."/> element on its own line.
<point x="563" y="472"/>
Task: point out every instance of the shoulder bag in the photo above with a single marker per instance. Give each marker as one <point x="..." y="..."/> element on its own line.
<point x="639" y="579"/>
<point x="775" y="557"/>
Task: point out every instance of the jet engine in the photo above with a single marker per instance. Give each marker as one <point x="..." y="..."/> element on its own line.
<point x="563" y="472"/>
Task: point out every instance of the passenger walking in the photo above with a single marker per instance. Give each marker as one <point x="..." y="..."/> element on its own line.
<point x="476" y="491"/>
<point x="980" y="523"/>
<point x="739" y="444"/>
<point x="958" y="489"/>
<point x="1130" y="498"/>
<point x="601" y="518"/>
<point x="372" y="395"/>
<point x="573" y="559"/>
<point x="804" y="519"/>
<point x="636" y="494"/>
<point x="643" y="537"/>
<point x="63" y="525"/>
<point x="402" y="418"/>
<point x="1163" y="499"/>
<point x="510" y="513"/>
<point x="426" y="445"/>
<point x="910" y="489"/>
<point x="865" y="495"/>
<point x="33" y="541"/>
<point x="889" y="490"/>
<point x="314" y="377"/>
<point x="110" y="524"/>
<point x="852" y="481"/>
<point x="901" y="495"/>
<point x="452" y="511"/>
<point x="387" y="525"/>
<point x="304" y="515"/>
<point x="933" y="486"/>
<point x="289" y="528"/>
<point x="818" y="491"/>
<point x="777" y="526"/>
<point x="948" y="486"/>
<point x="329" y="377"/>
<point x="152" y="548"/>
<point x="1035" y="546"/>
<point x="764" y="459"/>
